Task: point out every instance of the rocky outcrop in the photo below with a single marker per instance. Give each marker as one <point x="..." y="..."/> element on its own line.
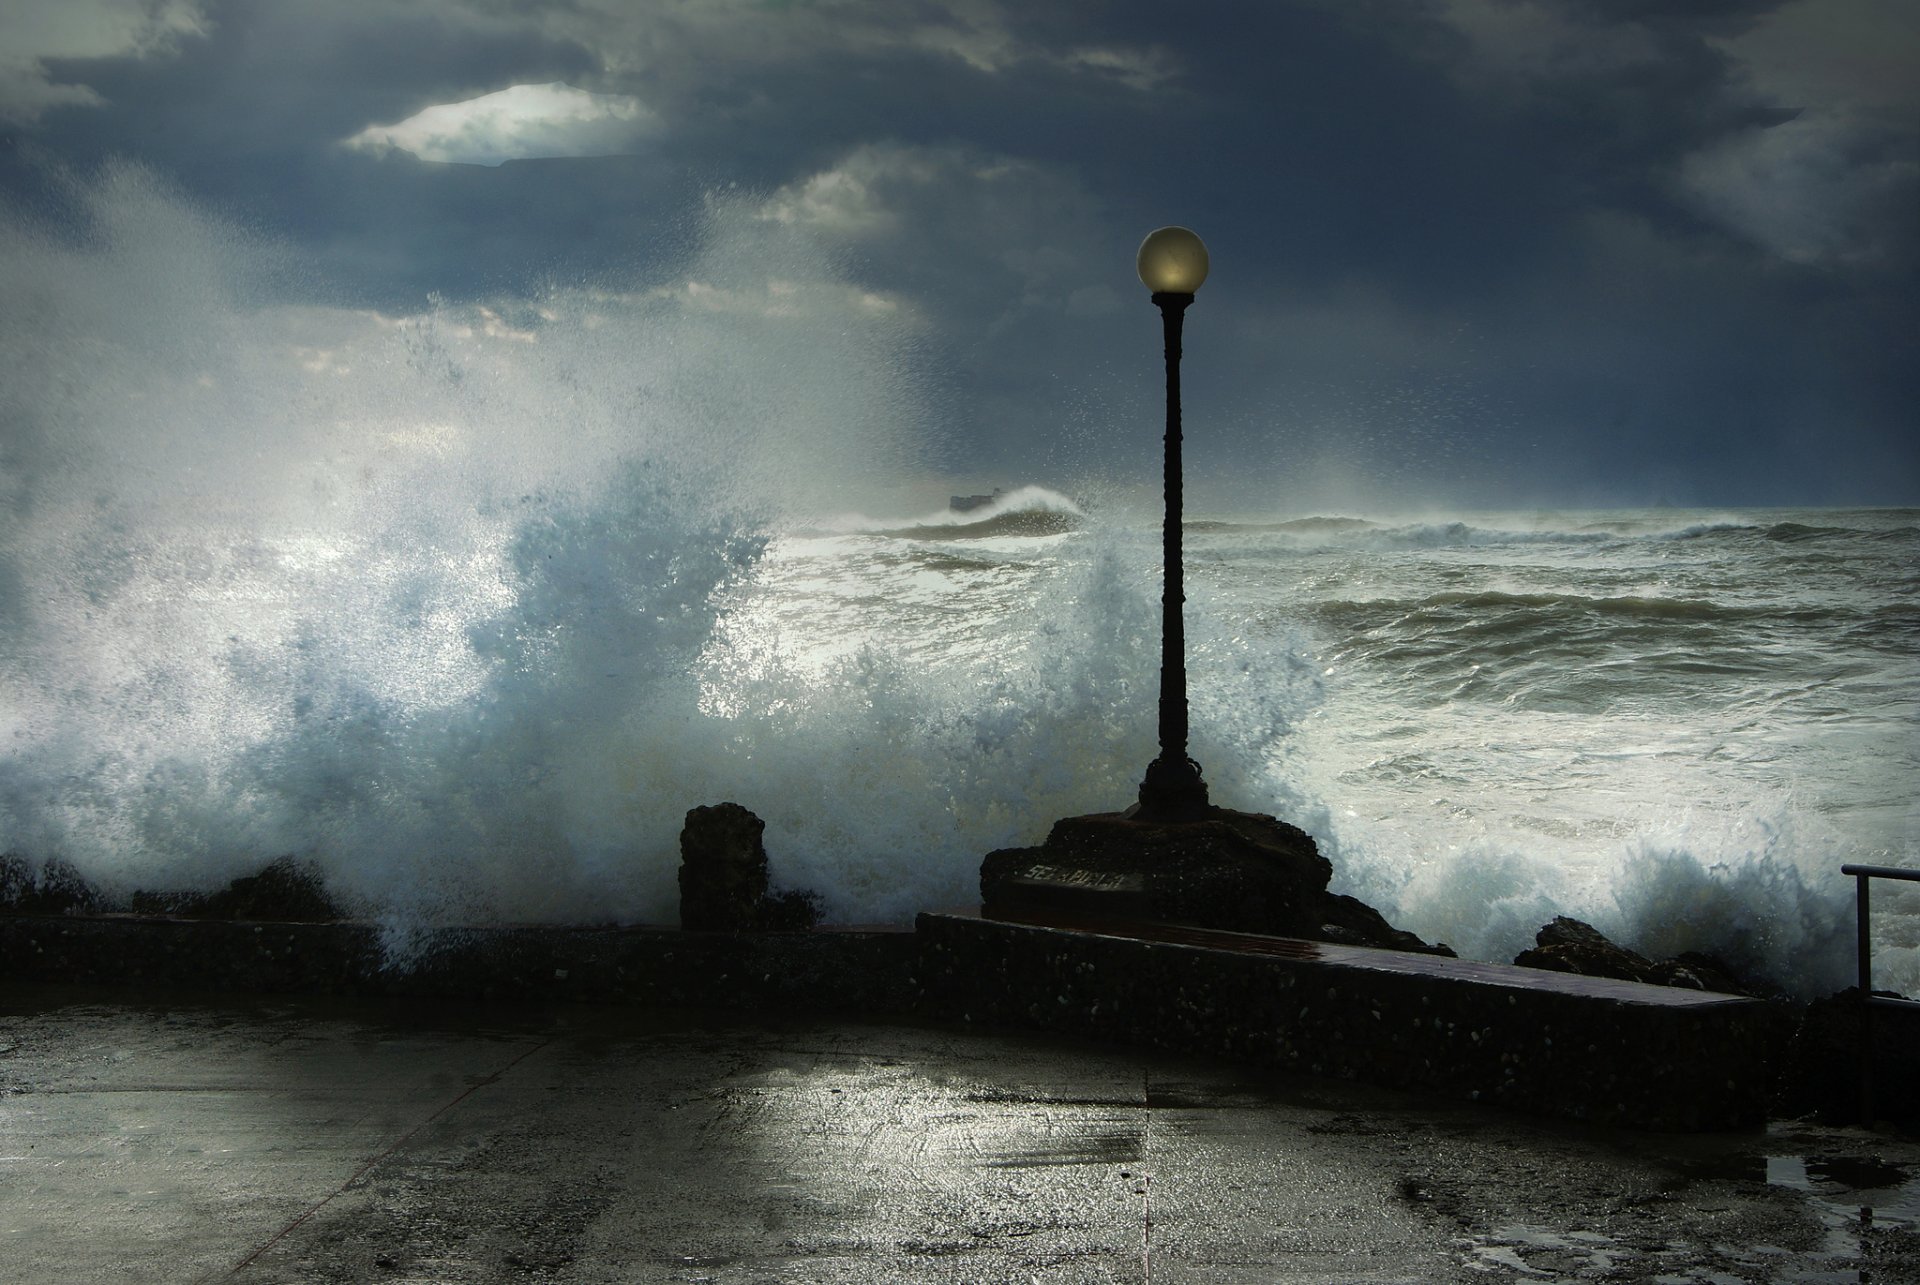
<point x="1352" y="922"/>
<point x="54" y="888"/>
<point x="285" y="891"/>
<point x="1240" y="871"/>
<point x="723" y="876"/>
<point x="1572" y="946"/>
<point x="723" y="868"/>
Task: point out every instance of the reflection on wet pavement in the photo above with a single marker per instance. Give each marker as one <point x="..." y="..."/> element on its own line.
<point x="332" y="1142"/>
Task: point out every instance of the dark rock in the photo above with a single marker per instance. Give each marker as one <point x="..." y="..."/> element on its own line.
<point x="1701" y="972"/>
<point x="1352" y="922"/>
<point x="1563" y="931"/>
<point x="723" y="869"/>
<point x="285" y="891"/>
<point x="65" y="891"/>
<point x="723" y="877"/>
<point x="1240" y="871"/>
<point x="55" y="889"/>
<point x="1570" y="946"/>
<point x="791" y="911"/>
<point x="16" y="881"/>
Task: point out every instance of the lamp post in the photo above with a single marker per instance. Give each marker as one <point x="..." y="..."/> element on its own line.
<point x="1172" y="857"/>
<point x="1172" y="263"/>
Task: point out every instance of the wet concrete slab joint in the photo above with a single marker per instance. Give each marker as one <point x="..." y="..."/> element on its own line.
<point x="1585" y="1048"/>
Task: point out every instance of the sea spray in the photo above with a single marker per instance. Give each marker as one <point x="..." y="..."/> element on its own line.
<point x="887" y="779"/>
<point x="1742" y="894"/>
<point x="470" y="606"/>
<point x="1751" y="907"/>
<point x="420" y="597"/>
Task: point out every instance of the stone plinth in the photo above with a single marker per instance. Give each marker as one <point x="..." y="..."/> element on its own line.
<point x="1238" y="871"/>
<point x="1234" y="870"/>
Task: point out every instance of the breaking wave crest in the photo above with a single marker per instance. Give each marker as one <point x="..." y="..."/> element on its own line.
<point x="1334" y="532"/>
<point x="1740" y="895"/>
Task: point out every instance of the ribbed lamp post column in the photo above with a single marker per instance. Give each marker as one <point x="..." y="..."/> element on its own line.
<point x="1172" y="263"/>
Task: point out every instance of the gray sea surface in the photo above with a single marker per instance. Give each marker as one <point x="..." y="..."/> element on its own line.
<point x="1675" y="723"/>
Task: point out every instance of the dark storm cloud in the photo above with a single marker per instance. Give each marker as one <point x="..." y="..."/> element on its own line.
<point x="1471" y="246"/>
<point x="249" y="115"/>
<point x="277" y="77"/>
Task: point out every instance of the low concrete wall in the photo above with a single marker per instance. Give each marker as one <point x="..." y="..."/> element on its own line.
<point x="1589" y="1048"/>
<point x="860" y="971"/>
<point x="1643" y="1056"/>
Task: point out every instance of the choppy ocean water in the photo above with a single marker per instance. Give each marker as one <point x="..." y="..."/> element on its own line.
<point x="1676" y="723"/>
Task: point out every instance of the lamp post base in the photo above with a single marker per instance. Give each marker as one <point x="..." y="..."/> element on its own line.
<point x="1233" y="870"/>
<point x="1173" y="791"/>
<point x="1242" y="871"/>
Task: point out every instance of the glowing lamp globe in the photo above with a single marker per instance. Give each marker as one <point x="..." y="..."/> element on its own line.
<point x="1172" y="261"/>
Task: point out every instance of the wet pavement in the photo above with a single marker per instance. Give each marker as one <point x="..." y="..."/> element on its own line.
<point x="314" y="1140"/>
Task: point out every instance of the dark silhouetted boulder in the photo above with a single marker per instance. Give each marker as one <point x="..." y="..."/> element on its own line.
<point x="791" y="911"/>
<point x="1694" y="970"/>
<point x="1571" y="946"/>
<point x="16" y="881"/>
<point x="723" y="869"/>
<point x="286" y="890"/>
<point x="723" y="877"/>
<point x="1352" y="922"/>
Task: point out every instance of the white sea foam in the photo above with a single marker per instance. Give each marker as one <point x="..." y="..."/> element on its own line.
<point x="419" y="596"/>
<point x="1744" y="898"/>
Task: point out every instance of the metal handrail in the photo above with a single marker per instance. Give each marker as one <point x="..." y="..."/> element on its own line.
<point x="1863" y="933"/>
<point x="1863" y="937"/>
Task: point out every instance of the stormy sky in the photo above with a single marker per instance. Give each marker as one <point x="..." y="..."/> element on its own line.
<point x="1470" y="252"/>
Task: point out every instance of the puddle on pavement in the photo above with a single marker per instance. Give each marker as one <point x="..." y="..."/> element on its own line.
<point x="1859" y="1201"/>
<point x="1880" y="1192"/>
<point x="1857" y="1198"/>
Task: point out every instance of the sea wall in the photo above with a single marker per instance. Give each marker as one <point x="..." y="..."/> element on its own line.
<point x="1587" y="1048"/>
<point x="1553" y="1043"/>
<point x="844" y="971"/>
